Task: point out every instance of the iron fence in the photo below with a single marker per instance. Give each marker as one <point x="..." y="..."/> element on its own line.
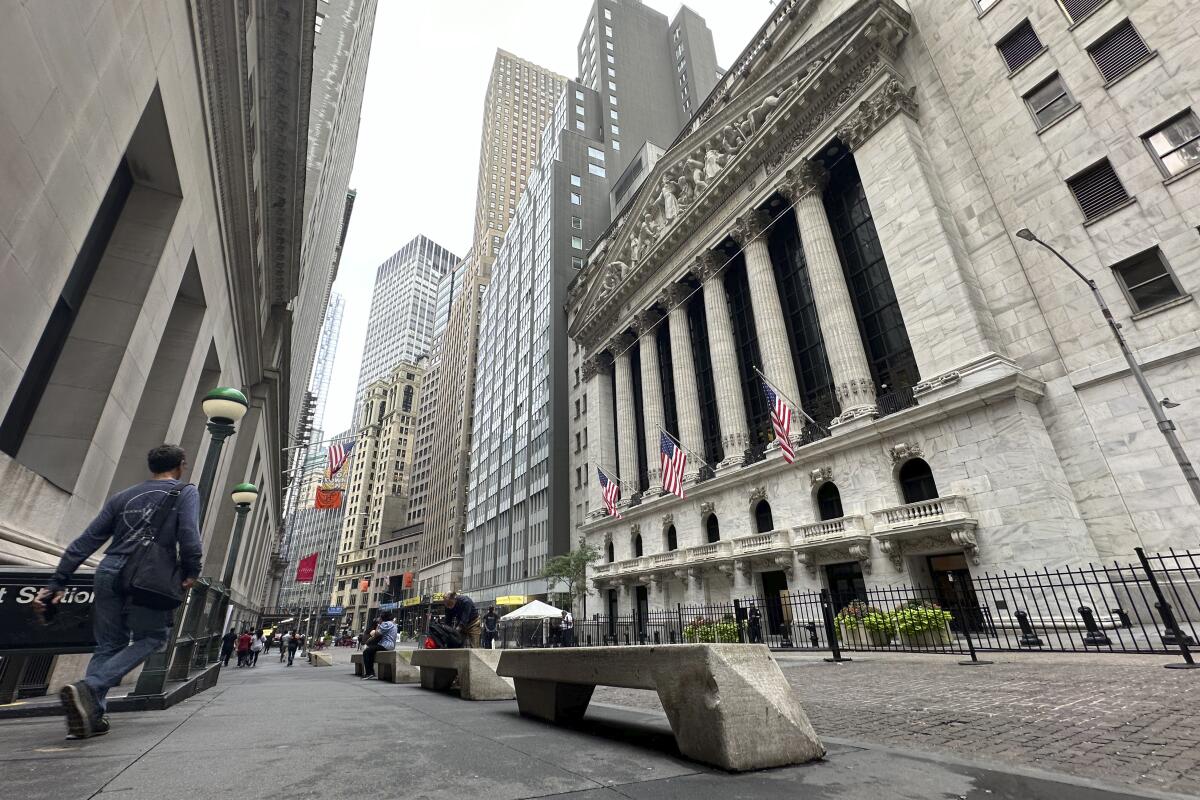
<point x="1148" y="606"/>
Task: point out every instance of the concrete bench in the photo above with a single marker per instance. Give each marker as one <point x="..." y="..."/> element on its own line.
<point x="318" y="659"/>
<point x="475" y="670"/>
<point x="728" y="704"/>
<point x="390" y="665"/>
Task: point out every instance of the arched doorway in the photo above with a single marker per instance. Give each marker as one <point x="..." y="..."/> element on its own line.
<point x="712" y="528"/>
<point x="637" y="545"/>
<point x="672" y="539"/>
<point x="609" y="553"/>
<point x="829" y="501"/>
<point x="916" y="481"/>
<point x="763" y="521"/>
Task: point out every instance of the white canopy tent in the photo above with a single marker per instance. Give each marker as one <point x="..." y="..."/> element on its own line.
<point x="533" y="610"/>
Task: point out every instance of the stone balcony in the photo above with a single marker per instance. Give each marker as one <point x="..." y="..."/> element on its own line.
<point x="841" y="539"/>
<point x="715" y="554"/>
<point x="926" y="526"/>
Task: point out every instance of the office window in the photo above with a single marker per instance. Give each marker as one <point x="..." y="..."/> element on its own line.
<point x="576" y="199"/>
<point x="577" y="223"/>
<point x="576" y="242"/>
<point x="596" y="169"/>
<point x="1098" y="190"/>
<point x="612" y="99"/>
<point x="1020" y="47"/>
<point x="612" y="86"/>
<point x="1119" y="52"/>
<point x="608" y="30"/>
<point x="612" y="73"/>
<point x="579" y="95"/>
<point x="1050" y="100"/>
<point x="579" y="126"/>
<point x="616" y="129"/>
<point x="576" y="180"/>
<point x="608" y="13"/>
<point x="579" y="110"/>
<point x="984" y="5"/>
<point x="612" y="113"/>
<point x="1077" y="9"/>
<point x="576" y="262"/>
<point x="595" y="153"/>
<point x="610" y="58"/>
<point x="616" y="145"/>
<point x="1176" y="145"/>
<point x="608" y="45"/>
<point x="1147" y="280"/>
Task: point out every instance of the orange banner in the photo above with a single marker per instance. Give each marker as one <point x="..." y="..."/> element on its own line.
<point x="364" y="584"/>
<point x="328" y="498"/>
<point x="408" y="580"/>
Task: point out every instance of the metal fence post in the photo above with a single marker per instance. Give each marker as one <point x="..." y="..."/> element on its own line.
<point x="1164" y="608"/>
<point x="827" y="616"/>
<point x="679" y="615"/>
<point x="966" y="626"/>
<point x="737" y="618"/>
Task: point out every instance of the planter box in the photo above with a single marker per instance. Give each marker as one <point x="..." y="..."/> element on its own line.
<point x="861" y="636"/>
<point x="936" y="637"/>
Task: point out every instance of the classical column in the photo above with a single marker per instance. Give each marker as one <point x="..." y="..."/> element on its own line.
<point x="652" y="400"/>
<point x="683" y="368"/>
<point x="602" y="439"/>
<point x="626" y="419"/>
<point x="839" y="326"/>
<point x="773" y="343"/>
<point x="735" y="437"/>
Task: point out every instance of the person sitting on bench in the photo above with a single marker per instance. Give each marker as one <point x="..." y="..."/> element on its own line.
<point x="382" y="638"/>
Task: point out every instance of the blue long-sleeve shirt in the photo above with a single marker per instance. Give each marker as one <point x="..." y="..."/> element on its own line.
<point x="125" y="512"/>
<point x="463" y="613"/>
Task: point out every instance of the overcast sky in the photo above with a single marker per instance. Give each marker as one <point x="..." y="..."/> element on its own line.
<point x="418" y="145"/>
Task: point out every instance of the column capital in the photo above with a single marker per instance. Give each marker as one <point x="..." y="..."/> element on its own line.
<point x="594" y="366"/>
<point x="620" y="344"/>
<point x="749" y="226"/>
<point x="803" y="179"/>
<point x="875" y="112"/>
<point x="645" y="320"/>
<point x="673" y="294"/>
<point x="708" y="264"/>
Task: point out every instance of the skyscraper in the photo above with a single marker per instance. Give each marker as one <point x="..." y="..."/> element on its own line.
<point x="400" y="327"/>
<point x="323" y="363"/>
<point x="519" y="100"/>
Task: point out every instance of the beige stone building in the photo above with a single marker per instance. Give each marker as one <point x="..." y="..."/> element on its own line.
<point x="375" y="502"/>
<point x="841" y="214"/>
<point x="519" y="100"/>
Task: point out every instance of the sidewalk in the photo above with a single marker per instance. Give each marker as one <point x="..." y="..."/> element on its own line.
<point x="310" y="732"/>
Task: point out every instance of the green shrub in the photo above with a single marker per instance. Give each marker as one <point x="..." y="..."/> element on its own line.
<point x="702" y="630"/>
<point x="858" y="614"/>
<point x="919" y="617"/>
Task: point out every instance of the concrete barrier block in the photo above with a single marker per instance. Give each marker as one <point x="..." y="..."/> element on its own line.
<point x="393" y="667"/>
<point x="475" y="671"/>
<point x="320" y="659"/>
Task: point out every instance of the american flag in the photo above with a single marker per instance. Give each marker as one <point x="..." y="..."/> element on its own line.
<point x="611" y="491"/>
<point x="781" y="420"/>
<point x="337" y="455"/>
<point x="673" y="460"/>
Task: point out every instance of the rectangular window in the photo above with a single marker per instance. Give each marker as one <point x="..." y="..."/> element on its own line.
<point x="608" y="13"/>
<point x="616" y="130"/>
<point x="612" y="99"/>
<point x="1119" y="52"/>
<point x="576" y="262"/>
<point x="596" y="169"/>
<point x="612" y="86"/>
<point x="596" y="154"/>
<point x="577" y="223"/>
<point x="579" y="110"/>
<point x="1050" y="100"/>
<point x="576" y="242"/>
<point x="616" y="145"/>
<point x="576" y="181"/>
<point x="1077" y="9"/>
<point x="610" y="58"/>
<point x="608" y="30"/>
<point x="612" y="113"/>
<point x="1147" y="280"/>
<point x="608" y="45"/>
<point x="612" y="73"/>
<point x="576" y="199"/>
<point x="984" y="5"/>
<point x="1098" y="190"/>
<point x="1176" y="145"/>
<point x="579" y="95"/>
<point x="579" y="126"/>
<point x="1020" y="47"/>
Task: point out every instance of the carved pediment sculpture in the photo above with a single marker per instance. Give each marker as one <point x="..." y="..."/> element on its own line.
<point x="668" y="520"/>
<point x="610" y="279"/>
<point x="820" y="475"/>
<point x="707" y="508"/>
<point x="670" y="200"/>
<point x="906" y="450"/>
<point x="757" y="495"/>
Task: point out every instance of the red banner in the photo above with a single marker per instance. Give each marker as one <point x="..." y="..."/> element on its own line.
<point x="307" y="569"/>
<point x="364" y="584"/>
<point x="408" y="580"/>
<point x="328" y="498"/>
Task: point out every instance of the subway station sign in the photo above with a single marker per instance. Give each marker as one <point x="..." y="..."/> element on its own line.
<point x="68" y="629"/>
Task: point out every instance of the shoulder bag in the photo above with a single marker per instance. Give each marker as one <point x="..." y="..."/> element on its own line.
<point x="151" y="577"/>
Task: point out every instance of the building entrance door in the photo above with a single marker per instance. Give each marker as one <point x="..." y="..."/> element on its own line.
<point x="955" y="591"/>
<point x="612" y="616"/>
<point x="642" y="601"/>
<point x="846" y="584"/>
<point x="773" y="584"/>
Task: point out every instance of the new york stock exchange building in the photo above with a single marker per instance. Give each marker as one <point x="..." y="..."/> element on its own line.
<point x="840" y="219"/>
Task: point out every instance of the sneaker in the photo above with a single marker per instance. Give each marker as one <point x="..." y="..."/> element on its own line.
<point x="371" y="677"/>
<point x="79" y="704"/>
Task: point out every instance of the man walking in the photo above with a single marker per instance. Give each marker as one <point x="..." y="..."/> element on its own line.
<point x="228" y="642"/>
<point x="243" y="648"/>
<point x="126" y="634"/>
<point x="283" y="645"/>
<point x="293" y="643"/>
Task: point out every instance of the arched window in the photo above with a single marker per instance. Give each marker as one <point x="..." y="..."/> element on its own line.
<point x="637" y="545"/>
<point x="608" y="551"/>
<point x="762" y="517"/>
<point x="829" y="501"/>
<point x="713" y="528"/>
<point x="672" y="539"/>
<point x="916" y="481"/>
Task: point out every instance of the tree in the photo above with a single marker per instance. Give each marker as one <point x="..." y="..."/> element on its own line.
<point x="571" y="569"/>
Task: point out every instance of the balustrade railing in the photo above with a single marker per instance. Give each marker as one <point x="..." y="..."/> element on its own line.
<point x="924" y="511"/>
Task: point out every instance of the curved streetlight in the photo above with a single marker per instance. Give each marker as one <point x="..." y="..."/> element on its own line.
<point x="223" y="406"/>
<point x="243" y="496"/>
<point x="1165" y="425"/>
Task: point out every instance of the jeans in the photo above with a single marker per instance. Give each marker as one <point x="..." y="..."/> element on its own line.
<point x="126" y="635"/>
<point x="291" y="654"/>
<point x="368" y="654"/>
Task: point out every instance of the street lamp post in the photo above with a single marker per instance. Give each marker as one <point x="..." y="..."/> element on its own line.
<point x="243" y="496"/>
<point x="1165" y="425"/>
<point x="224" y="407"/>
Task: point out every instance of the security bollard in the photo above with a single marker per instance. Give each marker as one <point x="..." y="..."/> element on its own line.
<point x="812" y="634"/>
<point x="1028" y="637"/>
<point x="1095" y="637"/>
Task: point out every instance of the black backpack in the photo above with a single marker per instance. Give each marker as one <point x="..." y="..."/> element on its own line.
<point x="151" y="577"/>
<point x="444" y="636"/>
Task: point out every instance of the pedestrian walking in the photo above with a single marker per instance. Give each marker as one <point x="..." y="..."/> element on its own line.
<point x="283" y="645"/>
<point x="490" y="621"/>
<point x="164" y="510"/>
<point x="228" y="643"/>
<point x="383" y="637"/>
<point x="567" y="630"/>
<point x="256" y="647"/>
<point x="754" y="625"/>
<point x="243" y="647"/>
<point x="293" y="645"/>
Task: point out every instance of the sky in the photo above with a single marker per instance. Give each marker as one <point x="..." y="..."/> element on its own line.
<point x="418" y="142"/>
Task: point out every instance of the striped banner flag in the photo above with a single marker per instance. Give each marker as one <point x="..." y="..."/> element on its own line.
<point x="612" y="493"/>
<point x="337" y="455"/>
<point x="781" y="421"/>
<point x="674" y="458"/>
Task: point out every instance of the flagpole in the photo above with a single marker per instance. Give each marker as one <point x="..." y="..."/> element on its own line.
<point x="610" y="473"/>
<point x="684" y="447"/>
<point x="794" y="404"/>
